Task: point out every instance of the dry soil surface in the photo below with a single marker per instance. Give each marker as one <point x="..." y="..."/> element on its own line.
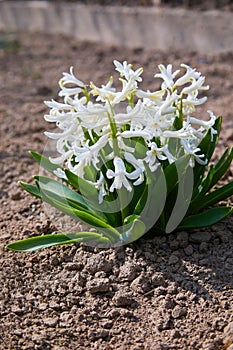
<point x="171" y="292"/>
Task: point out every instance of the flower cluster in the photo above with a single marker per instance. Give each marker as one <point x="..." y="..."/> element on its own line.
<point x="96" y="133"/>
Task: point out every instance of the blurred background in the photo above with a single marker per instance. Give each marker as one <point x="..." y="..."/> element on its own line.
<point x="200" y="4"/>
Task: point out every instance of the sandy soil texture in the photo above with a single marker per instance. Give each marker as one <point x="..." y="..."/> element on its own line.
<point x="170" y="292"/>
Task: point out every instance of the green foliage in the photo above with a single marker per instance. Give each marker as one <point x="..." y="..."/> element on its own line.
<point x="79" y="199"/>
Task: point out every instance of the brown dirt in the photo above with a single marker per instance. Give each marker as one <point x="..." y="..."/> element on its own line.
<point x="170" y="292"/>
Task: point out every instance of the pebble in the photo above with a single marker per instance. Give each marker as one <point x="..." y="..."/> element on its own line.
<point x="98" y="285"/>
<point x="158" y="280"/>
<point x="79" y="280"/>
<point x="141" y="284"/>
<point x="203" y="247"/>
<point x="122" y="299"/>
<point x="168" y="303"/>
<point x="224" y="236"/>
<point x="174" y="245"/>
<point x="171" y="288"/>
<point x="65" y="316"/>
<point x="173" y="260"/>
<point x="129" y="271"/>
<point x="160" y="291"/>
<point x="97" y="263"/>
<point x="54" y="305"/>
<point x="43" y="306"/>
<point x="188" y="250"/>
<point x="200" y="237"/>
<point x="51" y="321"/>
<point x="179" y="311"/>
<point x="99" y="333"/>
<point x="17" y="310"/>
<point x="175" y="333"/>
<point x="204" y="262"/>
<point x="107" y="324"/>
<point x="164" y="323"/>
<point x="181" y="296"/>
<point x="114" y="313"/>
<point x="73" y="266"/>
<point x="182" y="238"/>
<point x="16" y="196"/>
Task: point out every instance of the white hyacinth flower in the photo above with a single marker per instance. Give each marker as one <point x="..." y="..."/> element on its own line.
<point x="167" y="76"/>
<point x="155" y="154"/>
<point x="126" y="71"/>
<point x="190" y="75"/>
<point x="87" y="155"/>
<point x="206" y="124"/>
<point x="121" y="176"/>
<point x="192" y="151"/>
<point x="105" y="93"/>
<point x="94" y="131"/>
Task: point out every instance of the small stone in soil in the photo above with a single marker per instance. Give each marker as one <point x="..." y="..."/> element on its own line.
<point x="98" y="285"/>
<point x="179" y="311"/>
<point x="122" y="299"/>
<point x="51" y="321"/>
<point x="200" y="237"/>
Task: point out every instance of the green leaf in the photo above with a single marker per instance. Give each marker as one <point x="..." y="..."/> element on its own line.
<point x="133" y="231"/>
<point x="131" y="218"/>
<point x="213" y="176"/>
<point x="171" y="174"/>
<point x="87" y="190"/>
<point x="207" y="147"/>
<point x="44" y="162"/>
<point x="137" y="194"/>
<point x="152" y="201"/>
<point x="205" y="219"/>
<point x="176" y="175"/>
<point x="182" y="199"/>
<point x="56" y="190"/>
<point x="91" y="196"/>
<point x="47" y="184"/>
<point x="222" y="158"/>
<point x="220" y="169"/>
<point x="141" y="202"/>
<point x="213" y="197"/>
<point x="39" y="242"/>
<point x="84" y="216"/>
<point x="81" y="185"/>
<point x="32" y="189"/>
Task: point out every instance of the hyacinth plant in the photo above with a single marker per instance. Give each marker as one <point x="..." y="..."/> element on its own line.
<point x="131" y="161"/>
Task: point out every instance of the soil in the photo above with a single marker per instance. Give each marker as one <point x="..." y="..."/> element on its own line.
<point x="169" y="292"/>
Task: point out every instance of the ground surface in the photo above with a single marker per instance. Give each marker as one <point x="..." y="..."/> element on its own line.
<point x="165" y="293"/>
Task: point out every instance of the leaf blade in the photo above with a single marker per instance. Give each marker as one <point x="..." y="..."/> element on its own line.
<point x="44" y="162"/>
<point x="46" y="241"/>
<point x="214" y="197"/>
<point x="32" y="189"/>
<point x="205" y="219"/>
